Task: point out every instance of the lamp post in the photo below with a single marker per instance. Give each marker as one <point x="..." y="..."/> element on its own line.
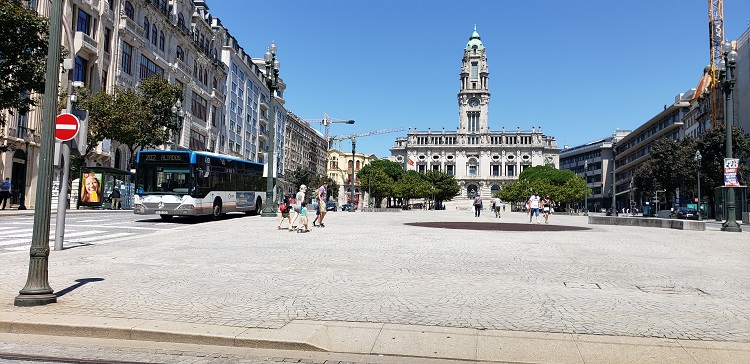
<point x="272" y="79"/>
<point x="614" y="181"/>
<point x="27" y="135"/>
<point x="327" y="123"/>
<point x="698" y="157"/>
<point x="726" y="67"/>
<point x="585" y="188"/>
<point x="354" y="148"/>
<point x="180" y="115"/>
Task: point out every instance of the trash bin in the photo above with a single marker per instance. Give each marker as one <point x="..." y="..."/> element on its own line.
<point x="646" y="210"/>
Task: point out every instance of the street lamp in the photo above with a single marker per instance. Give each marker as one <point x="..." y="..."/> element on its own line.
<point x="726" y="67"/>
<point x="180" y="115"/>
<point x="272" y="79"/>
<point x="585" y="188"/>
<point x="27" y="135"/>
<point x="614" y="181"/>
<point x="697" y="159"/>
<point x="354" y="148"/>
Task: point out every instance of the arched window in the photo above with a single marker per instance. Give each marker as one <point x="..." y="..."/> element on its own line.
<point x="494" y="190"/>
<point x="129" y="10"/>
<point x="180" y="54"/>
<point x="180" y="21"/>
<point x="195" y="68"/>
<point x="154" y="34"/>
<point x="349" y="165"/>
<point x="358" y="165"/>
<point x="334" y="163"/>
<point x="471" y="191"/>
<point x="161" y="40"/>
<point x="146" y="27"/>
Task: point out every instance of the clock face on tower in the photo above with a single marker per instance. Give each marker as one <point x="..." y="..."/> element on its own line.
<point x="473" y="102"/>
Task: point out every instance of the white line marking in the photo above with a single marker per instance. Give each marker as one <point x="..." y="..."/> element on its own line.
<point x="66" y="126"/>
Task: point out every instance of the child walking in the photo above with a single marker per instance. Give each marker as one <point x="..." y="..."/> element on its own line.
<point x="304" y="227"/>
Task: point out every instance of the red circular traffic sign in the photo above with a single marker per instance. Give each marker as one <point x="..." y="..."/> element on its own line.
<point x="66" y="126"/>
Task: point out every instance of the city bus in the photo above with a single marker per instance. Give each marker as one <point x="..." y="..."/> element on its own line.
<point x="188" y="183"/>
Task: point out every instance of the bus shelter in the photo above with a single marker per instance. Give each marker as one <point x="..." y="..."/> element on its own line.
<point x="95" y="187"/>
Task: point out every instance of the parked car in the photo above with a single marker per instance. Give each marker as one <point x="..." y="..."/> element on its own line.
<point x="330" y="206"/>
<point x="346" y="207"/>
<point x="686" y="213"/>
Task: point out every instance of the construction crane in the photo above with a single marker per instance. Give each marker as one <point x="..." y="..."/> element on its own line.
<point x="715" y="39"/>
<point x="327" y="121"/>
<point x="353" y="137"/>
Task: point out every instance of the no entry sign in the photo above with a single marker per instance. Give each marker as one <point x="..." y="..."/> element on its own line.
<point x="66" y="126"/>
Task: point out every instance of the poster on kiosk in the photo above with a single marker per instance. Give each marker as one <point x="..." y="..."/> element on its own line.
<point x="730" y="172"/>
<point x="91" y="189"/>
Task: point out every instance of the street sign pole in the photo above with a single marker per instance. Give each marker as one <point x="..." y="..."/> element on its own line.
<point x="66" y="128"/>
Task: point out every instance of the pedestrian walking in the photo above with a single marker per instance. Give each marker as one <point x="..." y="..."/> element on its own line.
<point x="534" y="201"/>
<point x="477" y="205"/>
<point x="114" y="199"/>
<point x="285" y="208"/>
<point x="4" y="192"/>
<point x="297" y="204"/>
<point x="546" y="208"/>
<point x="322" y="193"/>
<point x="304" y="227"/>
<point x="496" y="206"/>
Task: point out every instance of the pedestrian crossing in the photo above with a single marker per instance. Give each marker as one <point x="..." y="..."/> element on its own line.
<point x="18" y="237"/>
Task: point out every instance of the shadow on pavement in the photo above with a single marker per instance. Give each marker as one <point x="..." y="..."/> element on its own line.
<point x="496" y="226"/>
<point x="80" y="283"/>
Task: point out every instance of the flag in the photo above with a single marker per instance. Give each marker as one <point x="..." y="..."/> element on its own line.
<point x="411" y="162"/>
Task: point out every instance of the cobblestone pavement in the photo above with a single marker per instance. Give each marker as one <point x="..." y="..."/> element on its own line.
<point x="370" y="267"/>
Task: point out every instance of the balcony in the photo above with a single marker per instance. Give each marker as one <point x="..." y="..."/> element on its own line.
<point x="263" y="119"/>
<point x="182" y="67"/>
<point x="131" y="27"/>
<point x="83" y="43"/>
<point x="264" y="105"/>
<point x="23" y="134"/>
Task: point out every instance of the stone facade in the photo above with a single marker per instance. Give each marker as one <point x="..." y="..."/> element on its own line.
<point x="482" y="160"/>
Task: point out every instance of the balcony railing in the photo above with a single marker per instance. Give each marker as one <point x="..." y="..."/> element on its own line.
<point x="83" y="42"/>
<point x="23" y="133"/>
<point x="133" y="27"/>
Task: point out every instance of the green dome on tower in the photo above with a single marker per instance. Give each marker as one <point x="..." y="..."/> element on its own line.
<point x="475" y="41"/>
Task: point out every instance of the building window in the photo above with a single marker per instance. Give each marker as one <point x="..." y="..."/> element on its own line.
<point x="149" y="68"/>
<point x="84" y="22"/>
<point x="154" y="34"/>
<point x="107" y="39"/>
<point x="474" y="71"/>
<point x="197" y="140"/>
<point x="472" y="168"/>
<point x="79" y="73"/>
<point x="161" y="41"/>
<point x="199" y="107"/>
<point x="449" y="169"/>
<point x="127" y="58"/>
<point x="511" y="171"/>
<point x="496" y="170"/>
<point x="180" y="54"/>
<point x="129" y="10"/>
<point x="146" y="27"/>
<point x="421" y="168"/>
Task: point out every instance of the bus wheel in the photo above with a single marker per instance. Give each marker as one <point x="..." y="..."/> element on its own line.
<point x="166" y="217"/>
<point x="258" y="206"/>
<point x="216" y="213"/>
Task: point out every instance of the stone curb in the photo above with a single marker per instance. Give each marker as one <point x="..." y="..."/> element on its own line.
<point x="389" y="339"/>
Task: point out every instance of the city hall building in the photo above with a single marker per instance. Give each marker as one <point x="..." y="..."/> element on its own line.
<point x="482" y="160"/>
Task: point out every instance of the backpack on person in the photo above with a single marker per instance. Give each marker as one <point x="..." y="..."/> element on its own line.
<point x="478" y="201"/>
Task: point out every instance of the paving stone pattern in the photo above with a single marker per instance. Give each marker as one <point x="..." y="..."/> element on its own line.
<point x="371" y="267"/>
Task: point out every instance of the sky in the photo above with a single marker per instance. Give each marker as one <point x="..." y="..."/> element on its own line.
<point x="580" y="69"/>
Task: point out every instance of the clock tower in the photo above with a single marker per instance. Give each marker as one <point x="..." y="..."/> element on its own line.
<point x="474" y="96"/>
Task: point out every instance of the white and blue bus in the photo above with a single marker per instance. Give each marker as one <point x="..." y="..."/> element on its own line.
<point x="188" y="183"/>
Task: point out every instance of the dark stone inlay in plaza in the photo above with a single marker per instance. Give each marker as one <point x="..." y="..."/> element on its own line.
<point x="496" y="226"/>
<point x="672" y="290"/>
<point x="582" y="285"/>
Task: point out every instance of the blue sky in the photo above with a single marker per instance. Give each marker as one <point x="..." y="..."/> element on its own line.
<point x="578" y="68"/>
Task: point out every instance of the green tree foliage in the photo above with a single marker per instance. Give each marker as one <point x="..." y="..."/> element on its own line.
<point x="443" y="186"/>
<point x="139" y="118"/>
<point x="671" y="164"/>
<point x="23" y="55"/>
<point x="412" y="184"/>
<point x="377" y="182"/>
<point x="563" y="186"/>
<point x="305" y="176"/>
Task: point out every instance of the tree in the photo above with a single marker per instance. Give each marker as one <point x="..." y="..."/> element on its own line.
<point x="23" y="55"/>
<point x="139" y="118"/>
<point x="412" y="184"/>
<point x="377" y="182"/>
<point x="444" y="186"/>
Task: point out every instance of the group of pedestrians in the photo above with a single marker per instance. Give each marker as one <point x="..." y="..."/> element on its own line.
<point x="535" y="203"/>
<point x="295" y="207"/>
<point x="496" y="205"/>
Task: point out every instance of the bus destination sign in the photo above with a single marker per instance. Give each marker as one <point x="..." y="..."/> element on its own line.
<point x="165" y="158"/>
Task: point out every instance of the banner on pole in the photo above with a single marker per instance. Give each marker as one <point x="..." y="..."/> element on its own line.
<point x="730" y="172"/>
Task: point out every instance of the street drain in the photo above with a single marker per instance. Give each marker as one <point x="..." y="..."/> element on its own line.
<point x="582" y="285"/>
<point x="672" y="290"/>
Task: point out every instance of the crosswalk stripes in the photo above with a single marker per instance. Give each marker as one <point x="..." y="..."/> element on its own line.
<point x="10" y="236"/>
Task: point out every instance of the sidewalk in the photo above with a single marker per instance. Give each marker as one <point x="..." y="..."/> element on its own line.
<point x="369" y="285"/>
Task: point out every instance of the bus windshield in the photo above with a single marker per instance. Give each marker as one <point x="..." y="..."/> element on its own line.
<point x="164" y="179"/>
